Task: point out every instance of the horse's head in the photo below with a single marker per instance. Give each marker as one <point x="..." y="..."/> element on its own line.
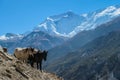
<point x="45" y="55"/>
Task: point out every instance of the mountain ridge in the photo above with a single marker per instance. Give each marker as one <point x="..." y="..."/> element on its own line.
<point x="36" y="39"/>
<point x="69" y="24"/>
<point x="97" y="59"/>
<point x="83" y="38"/>
<point x="56" y="25"/>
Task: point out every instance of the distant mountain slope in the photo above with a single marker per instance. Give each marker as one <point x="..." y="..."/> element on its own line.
<point x="9" y="40"/>
<point x="69" y="24"/>
<point x="11" y="37"/>
<point x="82" y="38"/>
<point x="38" y="39"/>
<point x="97" y="60"/>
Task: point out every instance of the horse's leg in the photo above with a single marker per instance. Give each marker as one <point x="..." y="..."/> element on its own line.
<point x="37" y="65"/>
<point x="32" y="64"/>
<point x="40" y="64"/>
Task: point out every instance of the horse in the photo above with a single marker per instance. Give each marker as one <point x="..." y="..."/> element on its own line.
<point x="37" y="58"/>
<point x="24" y="53"/>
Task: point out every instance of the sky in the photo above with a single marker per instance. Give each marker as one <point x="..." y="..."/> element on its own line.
<point x="19" y="16"/>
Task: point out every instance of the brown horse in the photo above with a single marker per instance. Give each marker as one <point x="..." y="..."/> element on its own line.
<point x="23" y="53"/>
<point x="38" y="57"/>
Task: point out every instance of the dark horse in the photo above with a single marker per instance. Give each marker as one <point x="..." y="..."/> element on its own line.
<point x="38" y="57"/>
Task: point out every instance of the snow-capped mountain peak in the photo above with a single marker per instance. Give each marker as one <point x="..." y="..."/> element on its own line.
<point x="84" y="15"/>
<point x="66" y="16"/>
<point x="9" y="36"/>
<point x="3" y="37"/>
<point x="48" y="18"/>
<point x="60" y="25"/>
<point x="108" y="11"/>
<point x="69" y="24"/>
<point x="43" y="25"/>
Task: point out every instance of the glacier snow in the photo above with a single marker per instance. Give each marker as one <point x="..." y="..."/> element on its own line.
<point x="69" y="24"/>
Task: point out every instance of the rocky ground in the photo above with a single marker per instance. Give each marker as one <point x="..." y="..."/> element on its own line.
<point x="13" y="69"/>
